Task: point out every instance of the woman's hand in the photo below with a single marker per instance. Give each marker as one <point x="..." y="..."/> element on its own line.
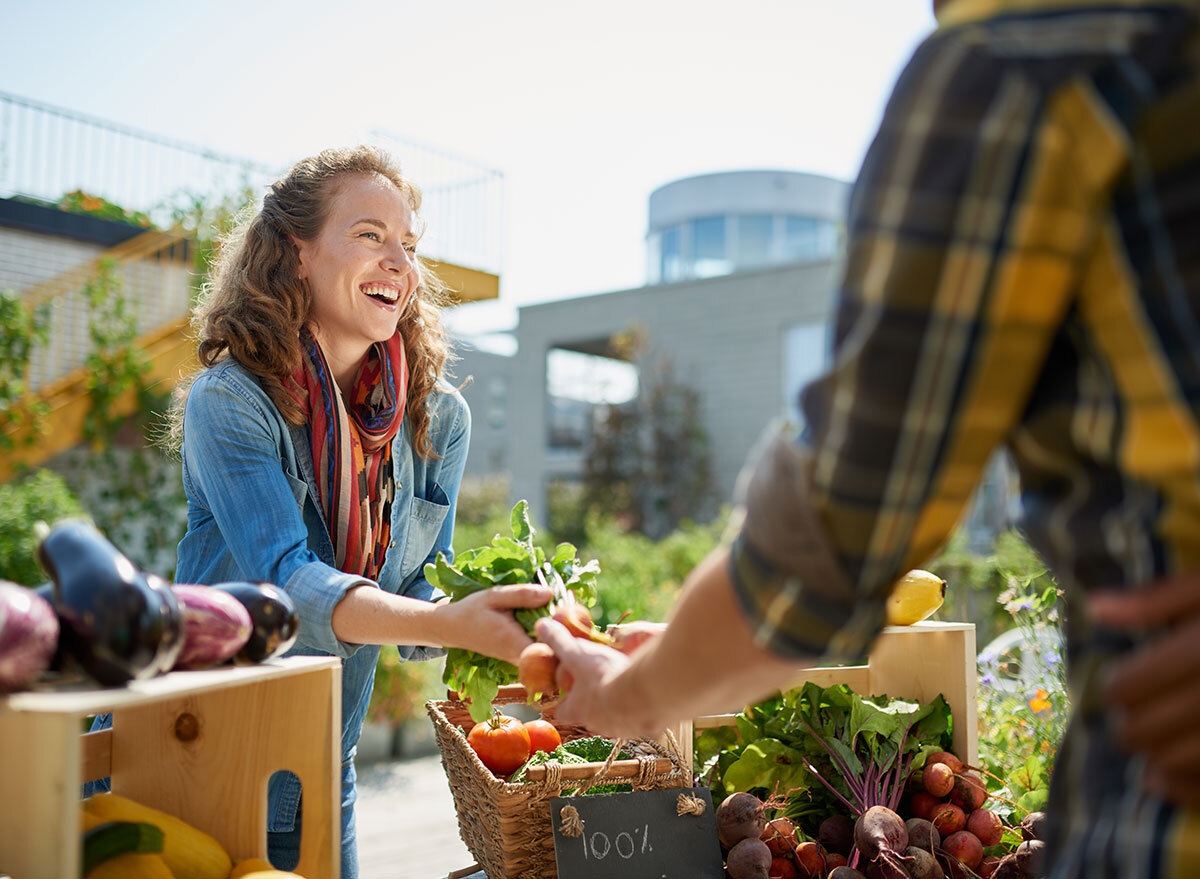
<point x="483" y="622"/>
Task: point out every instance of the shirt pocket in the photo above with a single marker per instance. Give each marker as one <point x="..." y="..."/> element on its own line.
<point x="424" y="523"/>
<point x="299" y="488"/>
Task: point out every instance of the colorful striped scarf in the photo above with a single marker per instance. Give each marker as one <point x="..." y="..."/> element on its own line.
<point x="352" y="448"/>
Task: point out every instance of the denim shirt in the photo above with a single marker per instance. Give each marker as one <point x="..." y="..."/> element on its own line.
<point x="254" y="514"/>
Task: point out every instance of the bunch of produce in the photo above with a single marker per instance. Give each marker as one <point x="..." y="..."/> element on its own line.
<point x="122" y="839"/>
<point x="836" y="771"/>
<point x="507" y="561"/>
<point x="116" y="623"/>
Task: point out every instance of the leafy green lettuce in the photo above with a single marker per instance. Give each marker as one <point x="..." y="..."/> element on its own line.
<point x="506" y="561"/>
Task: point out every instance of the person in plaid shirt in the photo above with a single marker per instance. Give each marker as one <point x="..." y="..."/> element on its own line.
<point x="1023" y="270"/>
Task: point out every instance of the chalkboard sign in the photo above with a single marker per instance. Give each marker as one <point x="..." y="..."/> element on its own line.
<point x="638" y="835"/>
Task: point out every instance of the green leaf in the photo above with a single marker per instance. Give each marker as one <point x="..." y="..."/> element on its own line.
<point x="767" y="763"/>
<point x="521" y="528"/>
<point x="1035" y="800"/>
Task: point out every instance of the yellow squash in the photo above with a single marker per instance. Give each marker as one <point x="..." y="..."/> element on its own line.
<point x="250" y="865"/>
<point x="915" y="597"/>
<point x="132" y="867"/>
<point x="188" y="852"/>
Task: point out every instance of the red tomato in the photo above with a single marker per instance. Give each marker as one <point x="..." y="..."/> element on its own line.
<point x="501" y="742"/>
<point x="542" y="735"/>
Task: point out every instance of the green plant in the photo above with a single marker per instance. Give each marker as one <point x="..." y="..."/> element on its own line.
<point x="21" y="328"/>
<point x="41" y="496"/>
<point x="79" y="202"/>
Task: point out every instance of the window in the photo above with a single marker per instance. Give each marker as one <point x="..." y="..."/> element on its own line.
<point x="671" y="255"/>
<point x="754" y="240"/>
<point x="805" y="356"/>
<point x="808" y="238"/>
<point x="710" y="255"/>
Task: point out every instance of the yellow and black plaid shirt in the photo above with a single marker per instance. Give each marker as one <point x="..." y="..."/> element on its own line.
<point x="1023" y="269"/>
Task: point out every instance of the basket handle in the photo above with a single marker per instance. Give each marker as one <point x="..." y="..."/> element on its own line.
<point x="582" y="771"/>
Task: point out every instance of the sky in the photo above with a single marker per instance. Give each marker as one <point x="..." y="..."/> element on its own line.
<point x="585" y="108"/>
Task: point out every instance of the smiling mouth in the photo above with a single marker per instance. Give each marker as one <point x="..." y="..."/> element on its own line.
<point x="386" y="295"/>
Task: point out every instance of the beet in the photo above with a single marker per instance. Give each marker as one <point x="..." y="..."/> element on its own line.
<point x="881" y="837"/>
<point x="846" y="873"/>
<point x="922" y="864"/>
<point x="956" y="765"/>
<point x="969" y="792"/>
<point x="782" y="868"/>
<point x="833" y="859"/>
<point x="1034" y="826"/>
<point x="836" y="834"/>
<point x="985" y="824"/>
<point x="937" y="779"/>
<point x="749" y="859"/>
<point x="780" y="837"/>
<point x="1008" y="868"/>
<point x="987" y="867"/>
<point x="536" y="669"/>
<point x="810" y="858"/>
<point x="922" y="834"/>
<point x="740" y="816"/>
<point x="965" y="846"/>
<point x="1030" y="856"/>
<point x="922" y="805"/>
<point x="948" y="818"/>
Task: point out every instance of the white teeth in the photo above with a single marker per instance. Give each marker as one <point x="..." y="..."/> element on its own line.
<point x="385" y="292"/>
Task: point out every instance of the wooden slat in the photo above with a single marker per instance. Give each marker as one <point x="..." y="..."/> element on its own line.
<point x="96" y="755"/>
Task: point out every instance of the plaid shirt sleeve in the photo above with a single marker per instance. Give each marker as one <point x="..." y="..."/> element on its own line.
<point x="966" y="228"/>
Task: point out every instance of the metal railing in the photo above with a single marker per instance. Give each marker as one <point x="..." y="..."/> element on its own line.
<point x="47" y="151"/>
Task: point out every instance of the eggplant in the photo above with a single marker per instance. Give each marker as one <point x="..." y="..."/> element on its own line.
<point x="273" y="616"/>
<point x="172" y="639"/>
<point x="215" y="626"/>
<point x="113" y="622"/>
<point x="28" y="636"/>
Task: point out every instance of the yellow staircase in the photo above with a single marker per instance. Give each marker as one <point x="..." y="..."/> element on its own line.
<point x="153" y="268"/>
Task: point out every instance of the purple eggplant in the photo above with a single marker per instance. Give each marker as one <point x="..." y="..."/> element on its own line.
<point x="273" y="615"/>
<point x="215" y="626"/>
<point x="28" y="636"/>
<point x="112" y="621"/>
<point x="171" y="643"/>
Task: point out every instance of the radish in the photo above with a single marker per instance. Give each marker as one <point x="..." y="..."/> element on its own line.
<point x="782" y="868"/>
<point x="938" y="779"/>
<point x="780" y="837"/>
<point x="965" y="846"/>
<point x="948" y="819"/>
<point x="846" y="873"/>
<point x="740" y="816"/>
<point x="922" y="834"/>
<point x="810" y="858"/>
<point x="969" y="792"/>
<point x="922" y="864"/>
<point x="536" y="669"/>
<point x="836" y="834"/>
<point x="833" y="859"/>
<point x="985" y="824"/>
<point x="881" y="837"/>
<point x="749" y="859"/>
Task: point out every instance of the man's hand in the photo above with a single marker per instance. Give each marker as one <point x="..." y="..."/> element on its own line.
<point x="1156" y="691"/>
<point x="599" y="696"/>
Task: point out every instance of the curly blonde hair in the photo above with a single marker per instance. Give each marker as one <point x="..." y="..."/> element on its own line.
<point x="255" y="304"/>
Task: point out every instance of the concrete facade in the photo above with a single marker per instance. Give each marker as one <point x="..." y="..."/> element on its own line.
<point x="486" y="381"/>
<point x="723" y="336"/>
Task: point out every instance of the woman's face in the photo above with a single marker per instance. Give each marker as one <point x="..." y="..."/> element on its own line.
<point x="361" y="267"/>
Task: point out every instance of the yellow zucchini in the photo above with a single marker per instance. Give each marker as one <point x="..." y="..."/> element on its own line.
<point x="248" y="866"/>
<point x="188" y="852"/>
<point x="131" y="867"/>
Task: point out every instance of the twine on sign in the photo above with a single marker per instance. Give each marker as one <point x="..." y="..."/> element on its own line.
<point x="572" y="824"/>
<point x="687" y="804"/>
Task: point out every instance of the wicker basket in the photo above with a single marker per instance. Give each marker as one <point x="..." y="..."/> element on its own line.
<point x="506" y="826"/>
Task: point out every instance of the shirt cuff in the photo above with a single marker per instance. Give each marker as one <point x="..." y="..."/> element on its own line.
<point x="317" y="588"/>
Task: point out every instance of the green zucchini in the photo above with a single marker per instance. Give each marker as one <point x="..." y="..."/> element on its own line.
<point x="114" y="838"/>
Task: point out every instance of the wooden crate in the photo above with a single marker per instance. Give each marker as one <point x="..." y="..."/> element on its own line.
<point x="909" y="662"/>
<point x="199" y="745"/>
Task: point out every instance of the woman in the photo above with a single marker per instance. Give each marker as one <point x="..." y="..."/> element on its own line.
<point x="321" y="450"/>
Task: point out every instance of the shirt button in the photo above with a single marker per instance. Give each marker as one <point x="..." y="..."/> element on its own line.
<point x="392" y="545"/>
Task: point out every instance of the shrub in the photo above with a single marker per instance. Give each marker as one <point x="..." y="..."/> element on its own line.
<point x="40" y="496"/>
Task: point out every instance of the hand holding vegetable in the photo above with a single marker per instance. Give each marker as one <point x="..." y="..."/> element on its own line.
<point x="1157" y="689"/>
<point x="484" y="622"/>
